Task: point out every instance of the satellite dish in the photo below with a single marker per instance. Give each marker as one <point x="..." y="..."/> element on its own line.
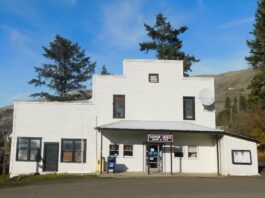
<point x="206" y="97"/>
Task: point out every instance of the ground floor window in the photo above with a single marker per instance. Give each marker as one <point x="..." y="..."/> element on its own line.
<point x="192" y="151"/>
<point x="28" y="149"/>
<point x="114" y="149"/>
<point x="178" y="152"/>
<point x="127" y="150"/>
<point x="73" y="150"/>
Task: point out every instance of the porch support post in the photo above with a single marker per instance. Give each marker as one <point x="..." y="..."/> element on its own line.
<point x="217" y="154"/>
<point x="101" y="147"/>
<point x="148" y="172"/>
<point x="171" y="161"/>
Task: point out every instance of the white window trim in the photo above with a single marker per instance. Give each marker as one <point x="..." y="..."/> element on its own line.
<point x="127" y="156"/>
<point x="118" y="147"/>
<point x="193" y="158"/>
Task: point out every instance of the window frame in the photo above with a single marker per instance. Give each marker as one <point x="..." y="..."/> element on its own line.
<point x="184" y="108"/>
<point x="29" y="148"/>
<point x="153" y="74"/>
<point x="114" y="107"/>
<point x="74" y="150"/>
<point x="128" y="150"/>
<point x="197" y="151"/>
<point x="241" y="163"/>
<point x="114" y="150"/>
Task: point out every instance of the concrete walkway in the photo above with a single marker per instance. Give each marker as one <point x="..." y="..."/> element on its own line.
<point x="155" y="174"/>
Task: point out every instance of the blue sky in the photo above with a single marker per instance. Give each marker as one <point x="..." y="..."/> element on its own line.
<point x="110" y="31"/>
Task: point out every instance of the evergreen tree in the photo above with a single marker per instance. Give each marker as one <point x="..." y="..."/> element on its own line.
<point x="257" y="56"/>
<point x="242" y="104"/>
<point x="235" y="106"/>
<point x="67" y="69"/>
<point x="227" y="106"/>
<point x="166" y="43"/>
<point x="104" y="71"/>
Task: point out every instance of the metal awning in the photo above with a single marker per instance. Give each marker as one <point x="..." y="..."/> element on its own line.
<point x="168" y="126"/>
<point x="157" y="126"/>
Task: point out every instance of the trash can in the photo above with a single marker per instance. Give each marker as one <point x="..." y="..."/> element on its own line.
<point x="111" y="164"/>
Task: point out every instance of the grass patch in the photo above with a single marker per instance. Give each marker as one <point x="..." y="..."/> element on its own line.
<point x="35" y="179"/>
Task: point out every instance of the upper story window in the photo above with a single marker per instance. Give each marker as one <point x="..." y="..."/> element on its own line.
<point x="119" y="106"/>
<point x="28" y="149"/>
<point x="153" y="78"/>
<point x="73" y="150"/>
<point x="188" y="108"/>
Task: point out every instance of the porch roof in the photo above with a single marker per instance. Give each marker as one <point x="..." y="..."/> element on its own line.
<point x="169" y="126"/>
<point x="157" y="126"/>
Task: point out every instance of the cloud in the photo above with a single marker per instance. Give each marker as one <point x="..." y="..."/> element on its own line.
<point x="122" y="24"/>
<point x="232" y="24"/>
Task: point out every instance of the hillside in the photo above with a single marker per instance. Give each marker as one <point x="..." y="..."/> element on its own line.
<point x="229" y="84"/>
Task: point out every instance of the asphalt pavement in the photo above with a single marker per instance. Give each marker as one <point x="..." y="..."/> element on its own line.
<point x="165" y="187"/>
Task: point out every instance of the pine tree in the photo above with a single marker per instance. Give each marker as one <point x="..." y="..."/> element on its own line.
<point x="242" y="104"/>
<point x="257" y="56"/>
<point x="104" y="71"/>
<point x="166" y="43"/>
<point x="235" y="106"/>
<point x="67" y="69"/>
<point x="227" y="106"/>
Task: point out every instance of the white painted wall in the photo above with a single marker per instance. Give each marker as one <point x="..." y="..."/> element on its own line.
<point x="206" y="162"/>
<point x="227" y="144"/>
<point x="52" y="121"/>
<point x="161" y="101"/>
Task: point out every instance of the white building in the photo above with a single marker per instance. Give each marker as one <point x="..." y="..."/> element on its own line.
<point x="151" y="117"/>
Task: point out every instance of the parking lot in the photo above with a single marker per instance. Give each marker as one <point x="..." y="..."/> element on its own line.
<point x="143" y="187"/>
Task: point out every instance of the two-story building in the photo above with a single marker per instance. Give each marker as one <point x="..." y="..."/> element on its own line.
<point x="152" y="118"/>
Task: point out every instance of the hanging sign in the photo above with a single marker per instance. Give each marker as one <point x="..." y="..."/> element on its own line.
<point x="160" y="138"/>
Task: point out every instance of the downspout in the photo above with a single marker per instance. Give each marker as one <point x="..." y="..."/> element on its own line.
<point x="217" y="152"/>
<point x="101" y="152"/>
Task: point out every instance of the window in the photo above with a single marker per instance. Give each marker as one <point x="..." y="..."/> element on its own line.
<point x="72" y="150"/>
<point x="189" y="108"/>
<point x="192" y="151"/>
<point x="242" y="157"/>
<point x="119" y="106"/>
<point x="28" y="148"/>
<point x="153" y="78"/>
<point x="114" y="149"/>
<point x="127" y="150"/>
<point x="178" y="151"/>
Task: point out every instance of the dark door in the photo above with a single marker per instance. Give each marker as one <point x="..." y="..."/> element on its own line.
<point x="51" y="151"/>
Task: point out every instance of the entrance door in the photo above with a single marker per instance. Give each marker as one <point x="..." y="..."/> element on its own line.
<point x="51" y="151"/>
<point x="155" y="152"/>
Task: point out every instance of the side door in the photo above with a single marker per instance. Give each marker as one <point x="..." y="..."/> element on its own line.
<point x="51" y="153"/>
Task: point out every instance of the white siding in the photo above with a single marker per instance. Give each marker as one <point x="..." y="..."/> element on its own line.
<point x="53" y="121"/>
<point x="145" y="101"/>
<point x="161" y="101"/>
<point x="227" y="144"/>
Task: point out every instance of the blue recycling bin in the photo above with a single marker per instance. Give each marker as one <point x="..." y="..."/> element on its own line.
<point x="111" y="164"/>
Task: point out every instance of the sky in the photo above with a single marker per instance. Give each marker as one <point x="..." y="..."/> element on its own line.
<point x="111" y="30"/>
